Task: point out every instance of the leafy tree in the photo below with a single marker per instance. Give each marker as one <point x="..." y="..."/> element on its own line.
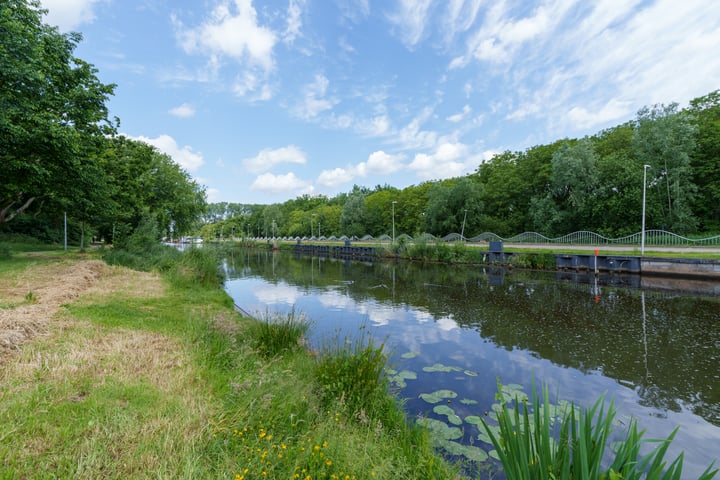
<point x="447" y="203"/>
<point x="52" y="108"/>
<point x="664" y="139"/>
<point x="353" y="216"/>
<point x="705" y="162"/>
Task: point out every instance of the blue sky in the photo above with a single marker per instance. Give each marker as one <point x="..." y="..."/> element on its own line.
<point x="263" y="101"/>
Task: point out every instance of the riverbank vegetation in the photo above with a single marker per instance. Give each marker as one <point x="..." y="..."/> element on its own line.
<point x="147" y="375"/>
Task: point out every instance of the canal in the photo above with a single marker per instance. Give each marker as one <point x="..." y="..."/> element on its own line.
<point x="461" y="329"/>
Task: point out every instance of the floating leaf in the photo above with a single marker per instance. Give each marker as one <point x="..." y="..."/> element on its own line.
<point x="468" y="401"/>
<point x="439" y="367"/>
<point x="400" y="378"/>
<point x="438" y="396"/>
<point x="470" y="373"/>
<point x="468" y="451"/>
<point x="494" y="454"/>
<point x="449" y="413"/>
<point x="440" y="430"/>
<point x="473" y="420"/>
<point x="409" y="355"/>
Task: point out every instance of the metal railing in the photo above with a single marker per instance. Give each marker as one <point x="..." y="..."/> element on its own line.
<point x="652" y="238"/>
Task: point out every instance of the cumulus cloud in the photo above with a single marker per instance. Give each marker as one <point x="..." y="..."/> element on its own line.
<point x="69" y="14"/>
<point x="448" y="160"/>
<point x="378" y="163"/>
<point x="183" y="111"/>
<point x="232" y="30"/>
<point x="183" y="156"/>
<point x="280" y="184"/>
<point x="269" y="157"/>
<point x="334" y="177"/>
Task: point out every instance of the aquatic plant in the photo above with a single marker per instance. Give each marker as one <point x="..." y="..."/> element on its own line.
<point x="528" y="447"/>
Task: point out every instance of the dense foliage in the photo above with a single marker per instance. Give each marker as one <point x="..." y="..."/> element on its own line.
<point x="593" y="183"/>
<point x="60" y="152"/>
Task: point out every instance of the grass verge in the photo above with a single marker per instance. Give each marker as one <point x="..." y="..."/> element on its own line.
<point x="149" y="376"/>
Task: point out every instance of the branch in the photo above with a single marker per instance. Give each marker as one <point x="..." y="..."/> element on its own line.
<point x="7" y="214"/>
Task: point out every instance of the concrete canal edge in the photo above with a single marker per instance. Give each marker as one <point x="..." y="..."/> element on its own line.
<point x="699" y="268"/>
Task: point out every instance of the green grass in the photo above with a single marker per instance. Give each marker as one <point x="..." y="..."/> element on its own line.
<point x="177" y="385"/>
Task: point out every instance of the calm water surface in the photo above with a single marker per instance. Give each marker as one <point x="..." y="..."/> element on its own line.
<point x="655" y="352"/>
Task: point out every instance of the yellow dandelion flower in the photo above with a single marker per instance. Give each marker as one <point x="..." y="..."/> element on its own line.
<point x="325" y="444"/>
<point x="328" y="462"/>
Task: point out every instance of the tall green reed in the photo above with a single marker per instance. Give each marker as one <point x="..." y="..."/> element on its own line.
<point x="528" y="449"/>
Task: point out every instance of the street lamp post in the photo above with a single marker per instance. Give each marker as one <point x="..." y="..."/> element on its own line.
<point x="393" y="221"/>
<point x="462" y="233"/>
<point x="642" y="234"/>
<point x="311" y="224"/>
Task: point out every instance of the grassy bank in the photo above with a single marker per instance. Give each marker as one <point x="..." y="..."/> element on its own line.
<point x="144" y="375"/>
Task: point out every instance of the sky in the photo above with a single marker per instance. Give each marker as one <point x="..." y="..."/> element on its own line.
<point x="262" y="101"/>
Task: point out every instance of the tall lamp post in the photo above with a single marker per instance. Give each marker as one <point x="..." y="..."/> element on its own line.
<point x="393" y="220"/>
<point x="311" y="224"/>
<point x="462" y="233"/>
<point x="642" y="234"/>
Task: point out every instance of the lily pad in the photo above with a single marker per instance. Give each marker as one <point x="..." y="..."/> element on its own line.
<point x="439" y="367"/>
<point x="440" y="431"/>
<point x="409" y="355"/>
<point x="438" y="396"/>
<point x="473" y="420"/>
<point x="468" y="401"/>
<point x="468" y="451"/>
<point x="399" y="378"/>
<point x="470" y="373"/>
<point x="449" y="413"/>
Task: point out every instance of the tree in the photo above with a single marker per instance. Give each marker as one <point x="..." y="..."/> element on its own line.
<point x="664" y="139"/>
<point x="52" y="107"/>
<point x="353" y="216"/>
<point x="705" y="162"/>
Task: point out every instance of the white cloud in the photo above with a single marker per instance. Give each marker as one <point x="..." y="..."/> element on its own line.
<point x="411" y="17"/>
<point x="183" y="156"/>
<point x="380" y="163"/>
<point x="183" y="111"/>
<point x="413" y="137"/>
<point x="268" y="158"/>
<point x="294" y="20"/>
<point x="612" y="111"/>
<point x="334" y="177"/>
<point x="280" y="184"/>
<point x="69" y="14"/>
<point x="315" y="101"/>
<point x="458" y="117"/>
<point x="448" y="160"/>
<point x="213" y="195"/>
<point x="232" y="30"/>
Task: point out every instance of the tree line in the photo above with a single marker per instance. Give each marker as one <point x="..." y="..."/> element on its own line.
<point x="592" y="183"/>
<point x="60" y="153"/>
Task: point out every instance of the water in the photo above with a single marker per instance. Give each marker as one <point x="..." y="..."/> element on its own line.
<point x="655" y="352"/>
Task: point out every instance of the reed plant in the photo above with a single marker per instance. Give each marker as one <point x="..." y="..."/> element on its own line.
<point x="277" y="334"/>
<point x="352" y="372"/>
<point x="541" y="443"/>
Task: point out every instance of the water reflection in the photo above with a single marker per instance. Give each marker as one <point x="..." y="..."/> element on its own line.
<point x="654" y="351"/>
